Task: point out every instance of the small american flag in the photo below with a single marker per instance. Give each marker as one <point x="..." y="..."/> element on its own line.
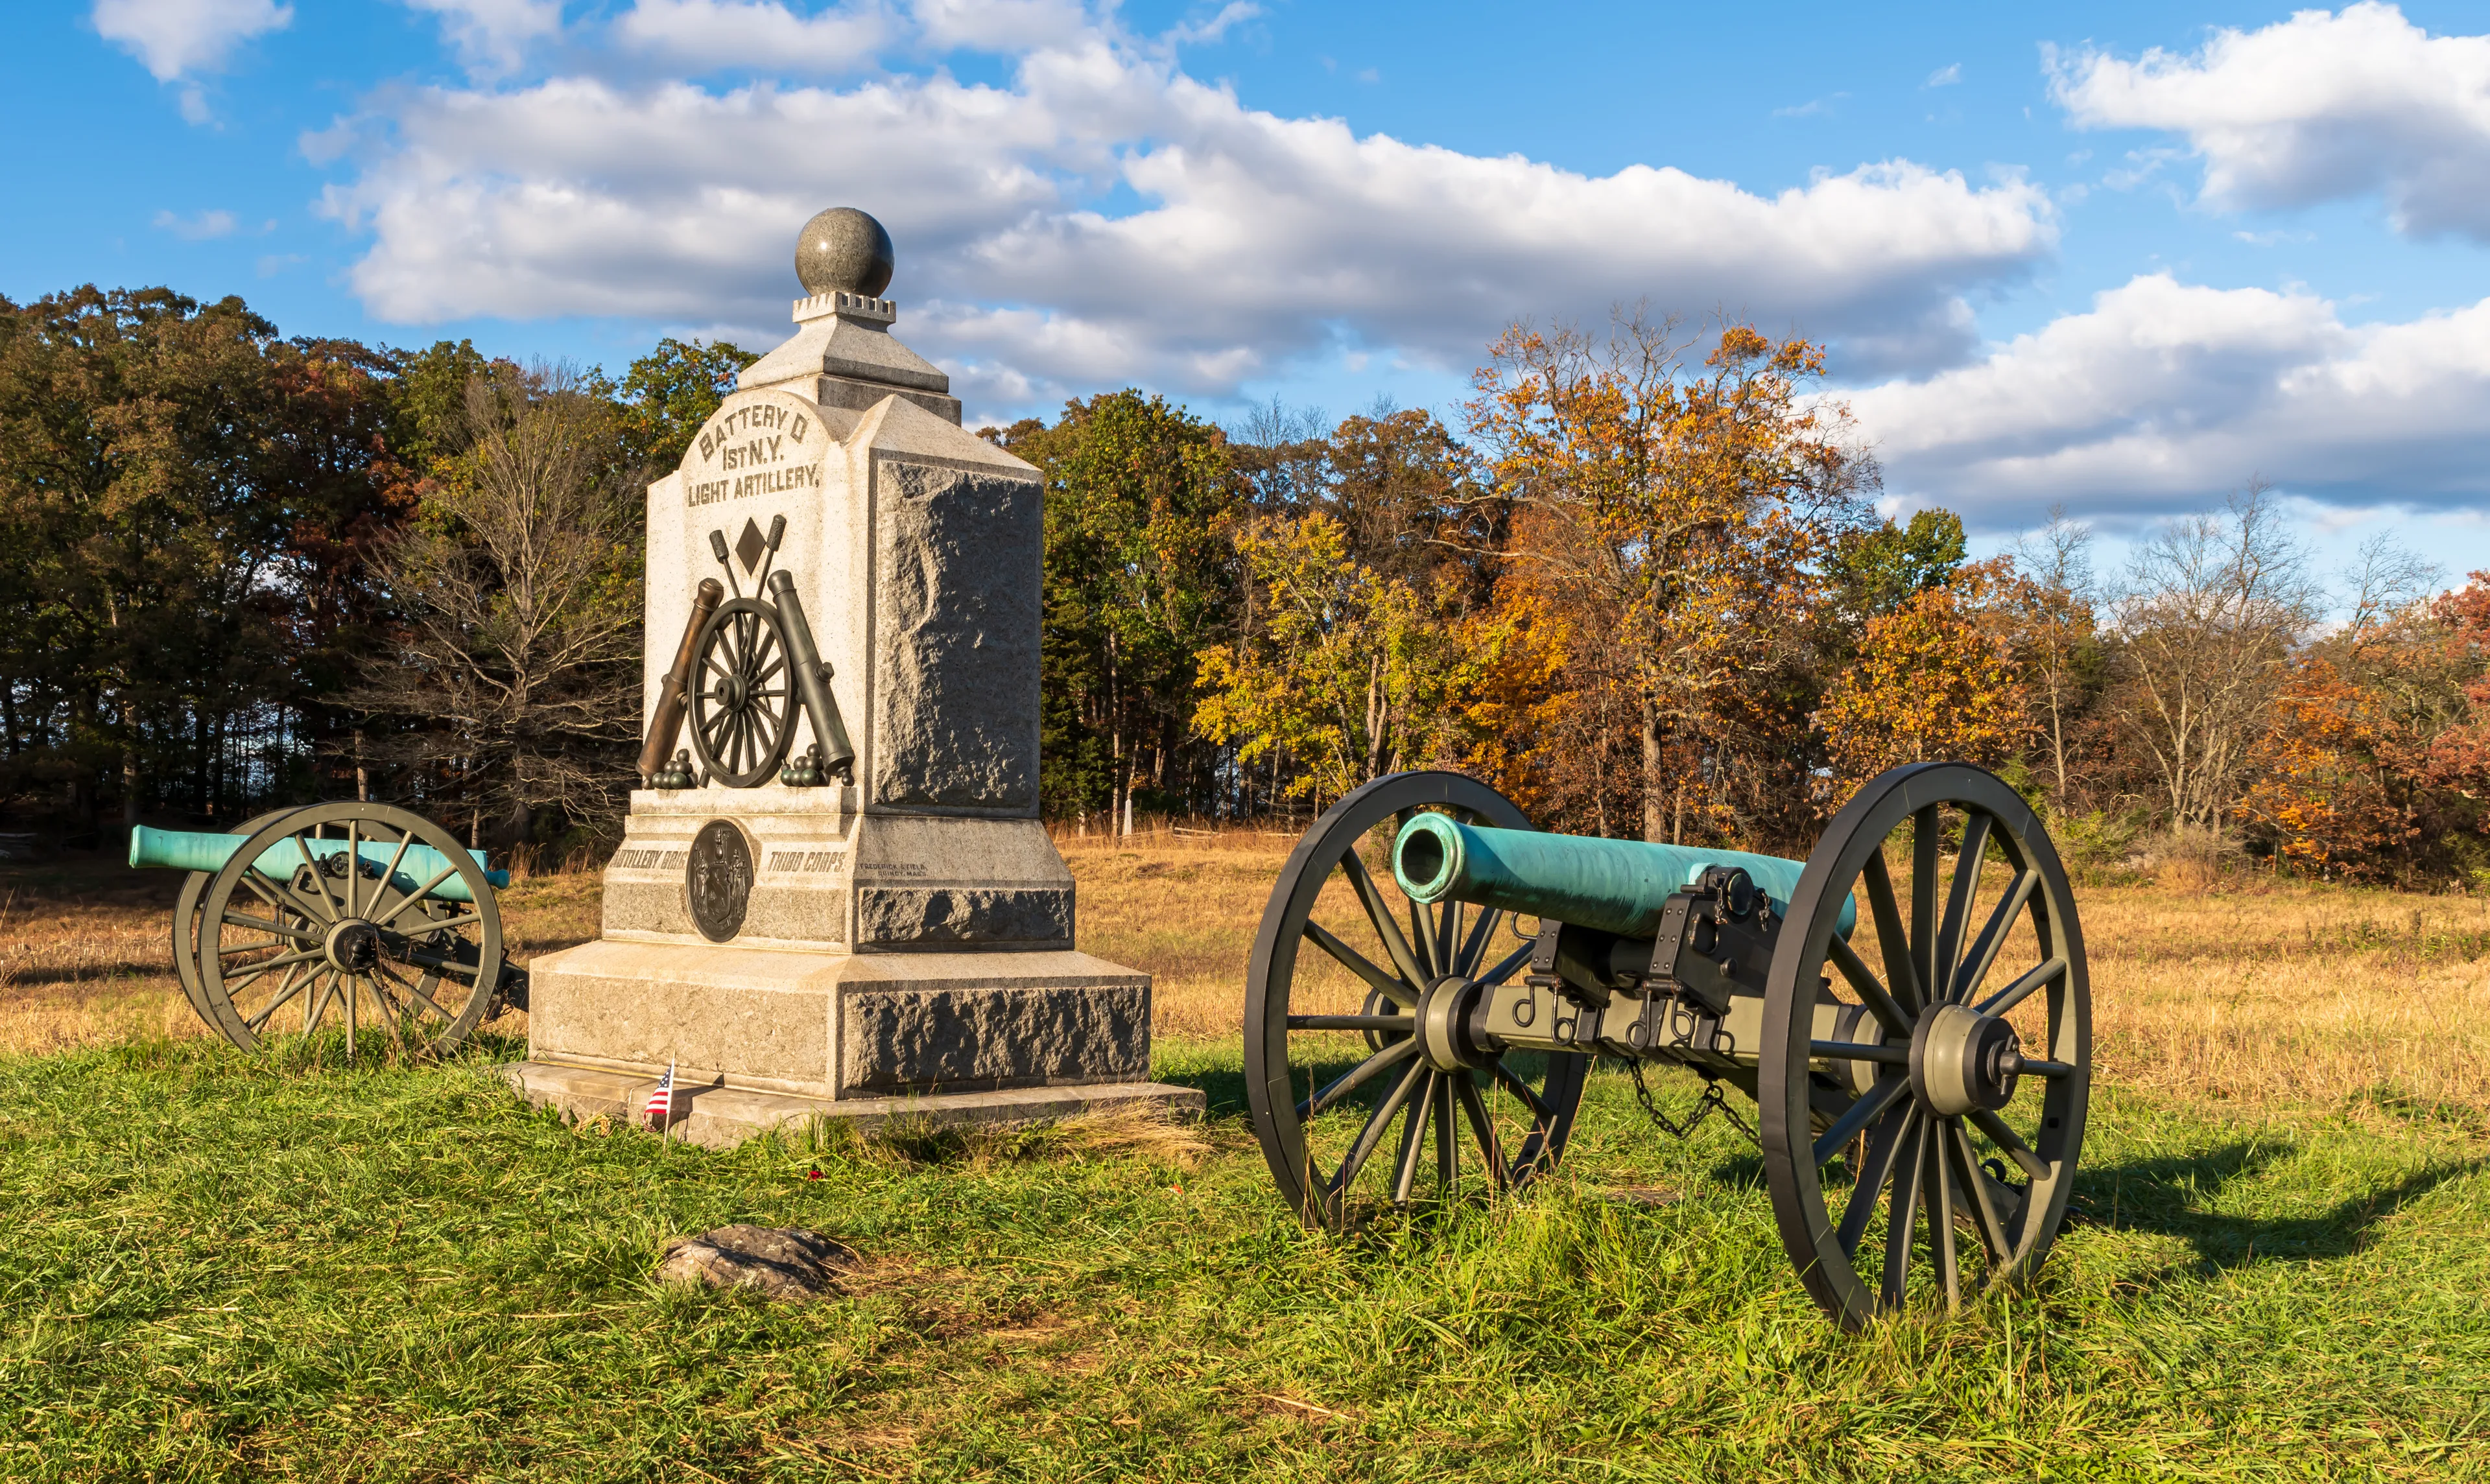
<point x="661" y="1102"/>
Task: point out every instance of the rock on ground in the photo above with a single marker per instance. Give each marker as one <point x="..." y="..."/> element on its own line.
<point x="787" y="1263"/>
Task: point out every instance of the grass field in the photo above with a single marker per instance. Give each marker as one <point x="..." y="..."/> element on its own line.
<point x="220" y="1266"/>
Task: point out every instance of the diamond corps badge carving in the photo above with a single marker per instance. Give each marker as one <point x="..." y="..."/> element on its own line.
<point x="718" y="880"/>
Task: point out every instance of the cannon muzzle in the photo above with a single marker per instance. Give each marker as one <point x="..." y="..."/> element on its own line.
<point x="182" y="850"/>
<point x="1618" y="886"/>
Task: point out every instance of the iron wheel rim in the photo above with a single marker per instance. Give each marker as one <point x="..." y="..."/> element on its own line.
<point x="426" y="949"/>
<point x="1918" y="1154"/>
<point x="1398" y="1089"/>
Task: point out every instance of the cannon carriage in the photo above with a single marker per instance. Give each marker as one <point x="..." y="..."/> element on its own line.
<point x="1910" y="1021"/>
<point x="336" y="916"/>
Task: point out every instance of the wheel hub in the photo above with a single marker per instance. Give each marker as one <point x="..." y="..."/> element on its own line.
<point x="1445" y="1037"/>
<point x="353" y="946"/>
<point x="729" y="692"/>
<point x="1963" y="1061"/>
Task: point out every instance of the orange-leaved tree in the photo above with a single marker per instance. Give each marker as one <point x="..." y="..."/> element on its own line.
<point x="1936" y="677"/>
<point x="1667" y="511"/>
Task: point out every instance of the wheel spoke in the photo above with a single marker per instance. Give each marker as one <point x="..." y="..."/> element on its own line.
<point x="1541" y="1113"/>
<point x="1895" y="1020"/>
<point x="1405" y="1168"/>
<point x="1422" y="934"/>
<point x="1448" y="1168"/>
<point x="2003" y="1136"/>
<point x="1927" y="836"/>
<point x="1474" y="947"/>
<point x="2013" y="994"/>
<point x="1401" y="1025"/>
<point x="1395" y="946"/>
<point x="1892" y="941"/>
<point x="1968" y="863"/>
<point x="417" y="991"/>
<point x="1984" y="948"/>
<point x="389" y="1016"/>
<point x="1859" y="1115"/>
<point x="1868" y="1185"/>
<point x="1350" y="1081"/>
<point x="313" y="867"/>
<point x="1375" y="1122"/>
<point x="1902" y="1210"/>
<point x="1505" y="967"/>
<point x="328" y="983"/>
<point x="419" y="893"/>
<point x="246" y="920"/>
<point x="773" y="667"/>
<point x="259" y="966"/>
<point x="1994" y="1246"/>
<point x="286" y="990"/>
<point x="1938" y="1198"/>
<point x="280" y="898"/>
<point x="1359" y="964"/>
<point x="389" y="875"/>
<point x="354" y="864"/>
<point x="1483" y="1129"/>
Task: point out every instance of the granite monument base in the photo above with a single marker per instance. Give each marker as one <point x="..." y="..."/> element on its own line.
<point x="721" y="1116"/>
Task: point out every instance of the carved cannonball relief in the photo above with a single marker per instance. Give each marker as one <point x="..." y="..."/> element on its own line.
<point x="844" y="251"/>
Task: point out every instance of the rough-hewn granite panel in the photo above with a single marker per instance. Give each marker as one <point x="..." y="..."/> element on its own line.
<point x="936" y="914"/>
<point x="958" y="1040"/>
<point x="960" y="559"/>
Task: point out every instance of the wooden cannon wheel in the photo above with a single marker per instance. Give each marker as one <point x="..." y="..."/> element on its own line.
<point x="1974" y="1052"/>
<point x="1343" y="1093"/>
<point x="339" y="921"/>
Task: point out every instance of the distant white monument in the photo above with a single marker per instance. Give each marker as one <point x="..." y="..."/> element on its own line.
<point x="835" y="898"/>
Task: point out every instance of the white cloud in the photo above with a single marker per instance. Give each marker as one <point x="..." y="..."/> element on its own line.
<point x="755" y="33"/>
<point x="1257" y="240"/>
<point x="492" y="35"/>
<point x="196" y="228"/>
<point x="174" y="36"/>
<point x="2163" y="395"/>
<point x="1945" y="76"/>
<point x="2314" y="108"/>
<point x="1007" y="25"/>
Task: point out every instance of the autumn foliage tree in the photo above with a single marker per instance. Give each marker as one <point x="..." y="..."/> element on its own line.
<point x="1934" y="678"/>
<point x="1351" y="671"/>
<point x="1671" y="499"/>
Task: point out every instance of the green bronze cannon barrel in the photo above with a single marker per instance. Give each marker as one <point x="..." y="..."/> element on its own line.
<point x="1618" y="886"/>
<point x="179" y="850"/>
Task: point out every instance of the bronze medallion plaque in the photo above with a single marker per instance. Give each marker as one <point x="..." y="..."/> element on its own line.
<point x="718" y="880"/>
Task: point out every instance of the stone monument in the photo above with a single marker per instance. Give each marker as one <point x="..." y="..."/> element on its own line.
<point x="833" y="897"/>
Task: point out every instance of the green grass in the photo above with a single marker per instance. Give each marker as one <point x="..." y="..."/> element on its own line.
<point x="219" y="1269"/>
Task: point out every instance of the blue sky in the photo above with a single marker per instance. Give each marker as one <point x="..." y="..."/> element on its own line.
<point x="2119" y="259"/>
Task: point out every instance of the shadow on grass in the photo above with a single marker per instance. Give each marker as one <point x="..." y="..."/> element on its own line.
<point x="2166" y="1195"/>
<point x="1223" y="1087"/>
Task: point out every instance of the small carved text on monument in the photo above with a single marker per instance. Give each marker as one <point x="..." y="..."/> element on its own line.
<point x="750" y="419"/>
<point x="806" y="860"/>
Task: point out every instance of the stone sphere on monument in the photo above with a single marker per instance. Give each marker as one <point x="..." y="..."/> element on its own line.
<point x="844" y="251"/>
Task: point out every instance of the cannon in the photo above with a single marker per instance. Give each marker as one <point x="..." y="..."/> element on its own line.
<point x="745" y="669"/>
<point x="1907" y="1008"/>
<point x="336" y="915"/>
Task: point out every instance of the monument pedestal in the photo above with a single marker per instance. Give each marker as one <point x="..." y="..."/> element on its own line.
<point x="897" y="941"/>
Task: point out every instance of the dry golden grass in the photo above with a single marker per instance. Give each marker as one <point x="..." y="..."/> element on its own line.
<point x="2258" y="993"/>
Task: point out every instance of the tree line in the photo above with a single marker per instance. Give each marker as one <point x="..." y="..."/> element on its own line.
<point x="1638" y="581"/>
